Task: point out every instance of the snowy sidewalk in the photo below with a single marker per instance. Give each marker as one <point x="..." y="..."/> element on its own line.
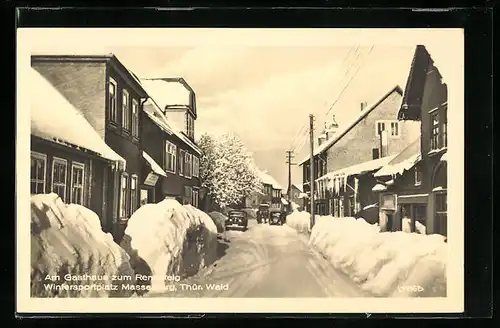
<point x="396" y="264"/>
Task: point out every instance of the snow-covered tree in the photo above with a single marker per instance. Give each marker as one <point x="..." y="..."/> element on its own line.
<point x="227" y="169"/>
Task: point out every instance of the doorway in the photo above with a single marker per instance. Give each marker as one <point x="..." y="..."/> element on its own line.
<point x="146" y="196"/>
<point x="390" y="221"/>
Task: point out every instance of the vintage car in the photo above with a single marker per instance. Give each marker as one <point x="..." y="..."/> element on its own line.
<point x="236" y="219"/>
<point x="276" y="217"/>
<point x="263" y="213"/>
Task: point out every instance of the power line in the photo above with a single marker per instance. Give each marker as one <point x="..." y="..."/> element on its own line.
<point x="298" y="136"/>
<point x="348" y="70"/>
<point x="349" y="82"/>
<point x="302" y="143"/>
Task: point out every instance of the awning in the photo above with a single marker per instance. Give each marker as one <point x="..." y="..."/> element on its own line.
<point x="55" y="119"/>
<point x="358" y="168"/>
<point x="303" y="195"/>
<point x="379" y="187"/>
<point x="398" y="168"/>
<point x="154" y="166"/>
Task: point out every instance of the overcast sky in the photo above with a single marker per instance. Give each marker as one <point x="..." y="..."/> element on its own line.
<point x="265" y="92"/>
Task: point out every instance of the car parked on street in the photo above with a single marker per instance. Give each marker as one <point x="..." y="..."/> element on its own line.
<point x="237" y="219"/>
<point x="276" y="217"/>
<point x="263" y="213"/>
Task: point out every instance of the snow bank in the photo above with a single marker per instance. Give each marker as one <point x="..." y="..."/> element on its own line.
<point x="383" y="263"/>
<point x="219" y="220"/>
<point x="299" y="221"/>
<point x="168" y="240"/>
<point x="67" y="242"/>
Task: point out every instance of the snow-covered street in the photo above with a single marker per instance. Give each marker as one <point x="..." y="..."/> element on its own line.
<point x="267" y="261"/>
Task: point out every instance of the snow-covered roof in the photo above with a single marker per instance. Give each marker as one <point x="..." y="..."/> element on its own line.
<point x="154" y="166"/>
<point x="379" y="187"/>
<point x="398" y="168"/>
<point x="299" y="187"/>
<point x="370" y="206"/>
<point x="441" y="57"/>
<point x="358" y="168"/>
<point x="156" y="115"/>
<point x="268" y="179"/>
<point x="403" y="161"/>
<point x="71" y="55"/>
<point x="327" y="144"/>
<point x="303" y="195"/>
<point x="54" y="118"/>
<point x="167" y="92"/>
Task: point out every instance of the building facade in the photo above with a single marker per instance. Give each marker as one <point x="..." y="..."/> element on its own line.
<point x="68" y="156"/>
<point x="419" y="193"/>
<point x="297" y="195"/>
<point x="110" y="98"/>
<point x="374" y="133"/>
<point x="169" y="136"/>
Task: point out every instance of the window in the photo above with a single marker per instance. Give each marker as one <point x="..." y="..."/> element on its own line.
<point x="77" y="182"/>
<point x="380" y="127"/>
<point x="124" y="199"/>
<point x="375" y="153"/>
<point x="441" y="214"/>
<point x="112" y="87"/>
<point x="125" y="110"/>
<point x="269" y="190"/>
<point x="336" y="207"/>
<point x="341" y="207"/>
<point x="307" y="172"/>
<point x="195" y="200"/>
<point x="59" y="172"/>
<point x="38" y="172"/>
<point x="196" y="166"/>
<point x="188" y="165"/>
<point x="135" y="118"/>
<point x="392" y="128"/>
<point x="352" y="206"/>
<point x="188" y="195"/>
<point x="435" y="130"/>
<point x="418" y="177"/>
<point x="182" y="155"/>
<point x="144" y="196"/>
<point x="170" y="156"/>
<point x="445" y="128"/>
<point x="133" y="193"/>
<point x="190" y="125"/>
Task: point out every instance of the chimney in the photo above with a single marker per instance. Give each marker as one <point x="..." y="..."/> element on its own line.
<point x="331" y="127"/>
<point x="363" y="105"/>
<point x="322" y="138"/>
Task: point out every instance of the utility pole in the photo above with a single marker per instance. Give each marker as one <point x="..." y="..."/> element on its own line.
<point x="311" y="169"/>
<point x="289" y="156"/>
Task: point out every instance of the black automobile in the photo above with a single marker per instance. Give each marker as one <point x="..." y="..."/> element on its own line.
<point x="276" y="217"/>
<point x="263" y="213"/>
<point x="236" y="219"/>
<point x="369" y="213"/>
